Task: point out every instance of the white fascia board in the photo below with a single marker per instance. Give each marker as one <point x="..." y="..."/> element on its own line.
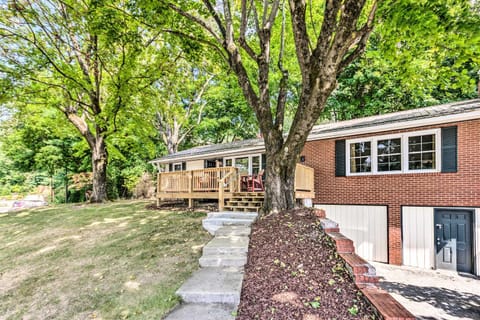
<point x="229" y="153"/>
<point x="397" y="126"/>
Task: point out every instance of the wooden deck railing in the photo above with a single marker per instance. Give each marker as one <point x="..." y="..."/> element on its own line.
<point x="201" y="180"/>
<point x="217" y="183"/>
<point x="304" y="178"/>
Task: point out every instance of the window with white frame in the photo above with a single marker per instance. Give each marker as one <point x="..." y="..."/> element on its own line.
<point x="360" y="156"/>
<point x="400" y="153"/>
<point x="389" y="155"/>
<point x="248" y="164"/>
<point x="421" y="152"/>
<point x="177" y="166"/>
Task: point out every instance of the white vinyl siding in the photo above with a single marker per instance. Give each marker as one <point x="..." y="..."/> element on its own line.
<point x="195" y="165"/>
<point x="365" y="225"/>
<point x="418" y="239"/>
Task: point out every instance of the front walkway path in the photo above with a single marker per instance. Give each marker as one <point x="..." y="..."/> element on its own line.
<point x="213" y="292"/>
<point x="432" y="294"/>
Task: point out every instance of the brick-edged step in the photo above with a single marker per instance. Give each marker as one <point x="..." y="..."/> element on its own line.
<point x="344" y="244"/>
<point x="329" y="225"/>
<point x="203" y="312"/>
<point x="226" y="245"/>
<point x="361" y="271"/>
<point x="223" y="260"/>
<point x="364" y="274"/>
<point x="387" y="307"/>
<point x="213" y="285"/>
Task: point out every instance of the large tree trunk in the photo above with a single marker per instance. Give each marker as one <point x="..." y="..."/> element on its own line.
<point x="99" y="168"/>
<point x="280" y="183"/>
<point x="96" y="142"/>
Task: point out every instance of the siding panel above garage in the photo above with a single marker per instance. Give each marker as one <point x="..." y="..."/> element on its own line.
<point x="365" y="225"/>
<point x="418" y="239"/>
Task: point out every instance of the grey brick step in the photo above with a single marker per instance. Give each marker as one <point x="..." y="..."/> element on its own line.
<point x="226" y="245"/>
<point x="233" y="231"/>
<point x="194" y="311"/>
<point x="223" y="260"/>
<point x="213" y="285"/>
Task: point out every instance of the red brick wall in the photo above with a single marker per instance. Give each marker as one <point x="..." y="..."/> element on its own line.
<point x="394" y="190"/>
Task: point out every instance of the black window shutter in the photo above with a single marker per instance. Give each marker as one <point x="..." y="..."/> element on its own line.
<point x="184" y="166"/>
<point x="264" y="161"/>
<point x="449" y="149"/>
<point x="170" y="167"/>
<point x="340" y="158"/>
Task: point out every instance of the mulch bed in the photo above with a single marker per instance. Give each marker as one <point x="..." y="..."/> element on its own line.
<point x="294" y="272"/>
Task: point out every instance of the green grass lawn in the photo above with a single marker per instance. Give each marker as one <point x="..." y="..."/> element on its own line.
<point x="111" y="261"/>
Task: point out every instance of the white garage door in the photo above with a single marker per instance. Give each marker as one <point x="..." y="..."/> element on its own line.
<point x="365" y="225"/>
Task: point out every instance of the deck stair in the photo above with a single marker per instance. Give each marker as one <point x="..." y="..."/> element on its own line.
<point x="245" y="201"/>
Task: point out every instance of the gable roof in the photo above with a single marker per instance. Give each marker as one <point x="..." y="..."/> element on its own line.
<point x="445" y="113"/>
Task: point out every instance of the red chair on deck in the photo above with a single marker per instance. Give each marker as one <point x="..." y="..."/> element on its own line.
<point x="255" y="182"/>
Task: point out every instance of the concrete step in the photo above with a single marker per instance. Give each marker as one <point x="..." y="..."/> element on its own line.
<point x="194" y="311"/>
<point x="227" y="245"/>
<point x="213" y="285"/>
<point x="231" y="215"/>
<point x="233" y="231"/>
<point x="216" y="220"/>
<point x="223" y="260"/>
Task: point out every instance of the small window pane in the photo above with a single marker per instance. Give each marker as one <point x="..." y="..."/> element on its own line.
<point x="242" y="165"/>
<point x="421" y="154"/>
<point x="360" y="160"/>
<point x="228" y="163"/>
<point x="414" y="147"/>
<point x="255" y="165"/>
<point x="389" y="155"/>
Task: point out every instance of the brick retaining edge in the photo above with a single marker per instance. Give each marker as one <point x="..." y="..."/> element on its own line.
<point x="363" y="273"/>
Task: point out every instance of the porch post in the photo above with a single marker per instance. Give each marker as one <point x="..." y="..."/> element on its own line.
<point x="221" y="197"/>
<point x="190" y="189"/>
<point x="159" y="183"/>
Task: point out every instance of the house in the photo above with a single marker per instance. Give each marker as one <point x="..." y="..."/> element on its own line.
<point x="404" y="186"/>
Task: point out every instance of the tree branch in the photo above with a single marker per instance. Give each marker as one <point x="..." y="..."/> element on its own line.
<point x="197" y="20"/>
<point x="302" y="41"/>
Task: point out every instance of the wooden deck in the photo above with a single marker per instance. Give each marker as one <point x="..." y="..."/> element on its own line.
<point x="220" y="183"/>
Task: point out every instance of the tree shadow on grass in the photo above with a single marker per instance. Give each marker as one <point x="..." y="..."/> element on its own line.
<point x="455" y="303"/>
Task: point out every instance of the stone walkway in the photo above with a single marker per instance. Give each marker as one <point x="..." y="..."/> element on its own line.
<point x="432" y="294"/>
<point x="213" y="292"/>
